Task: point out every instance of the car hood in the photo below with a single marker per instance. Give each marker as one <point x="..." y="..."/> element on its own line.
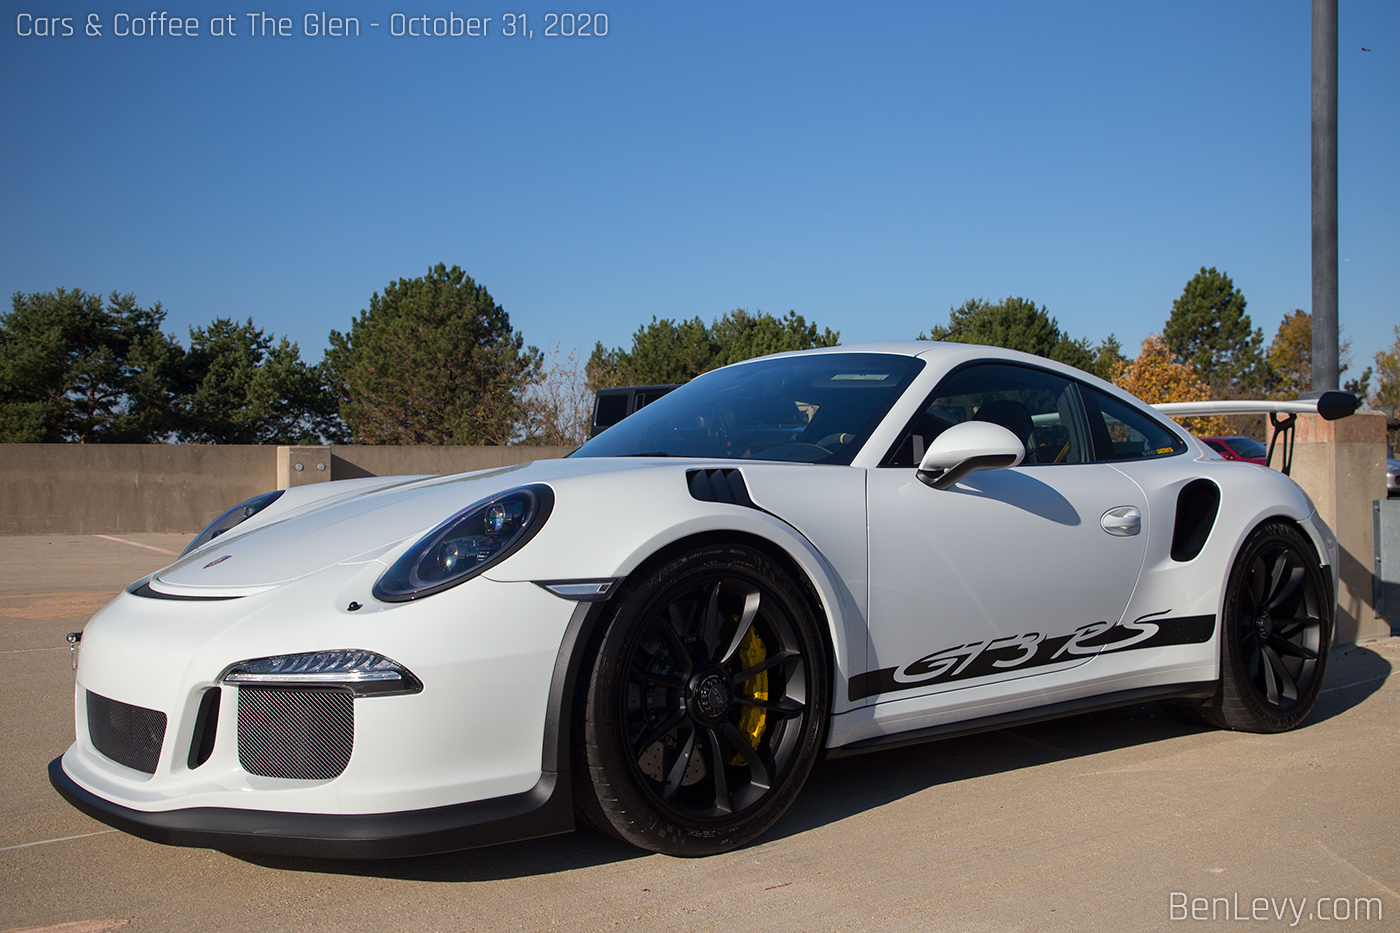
<point x="372" y="526"/>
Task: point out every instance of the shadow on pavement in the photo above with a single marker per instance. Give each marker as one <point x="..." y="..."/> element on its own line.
<point x="846" y="787"/>
<point x="1354" y="672"/>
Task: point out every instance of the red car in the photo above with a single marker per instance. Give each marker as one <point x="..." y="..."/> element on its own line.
<point x="1239" y="448"/>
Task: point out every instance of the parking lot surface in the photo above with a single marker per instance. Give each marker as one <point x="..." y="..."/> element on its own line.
<point x="1123" y="820"/>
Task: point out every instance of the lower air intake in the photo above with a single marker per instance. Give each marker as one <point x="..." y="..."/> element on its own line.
<point x="129" y="735"/>
<point x="300" y="733"/>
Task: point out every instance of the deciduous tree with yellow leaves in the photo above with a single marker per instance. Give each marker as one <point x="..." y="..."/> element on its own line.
<point x="1156" y="377"/>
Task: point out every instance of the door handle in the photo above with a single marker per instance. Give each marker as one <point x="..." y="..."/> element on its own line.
<point x="1124" y="521"/>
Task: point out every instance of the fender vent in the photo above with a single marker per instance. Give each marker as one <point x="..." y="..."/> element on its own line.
<point x="300" y="733"/>
<point x="129" y="735"/>
<point x="1196" y="507"/>
<point x="719" y="486"/>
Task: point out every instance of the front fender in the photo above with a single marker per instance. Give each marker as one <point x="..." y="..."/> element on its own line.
<point x="609" y="524"/>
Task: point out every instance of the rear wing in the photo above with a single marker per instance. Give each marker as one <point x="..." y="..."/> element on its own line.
<point x="1282" y="415"/>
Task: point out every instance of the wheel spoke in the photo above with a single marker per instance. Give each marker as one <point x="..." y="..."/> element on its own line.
<point x="1251" y="658"/>
<point x="751" y="601"/>
<point x="712" y="623"/>
<point x="1275" y="579"/>
<point x="661" y="680"/>
<point x="1270" y="683"/>
<point x="1288" y="628"/>
<point x="722" y="803"/>
<point x="678" y="768"/>
<point x="786" y="708"/>
<point x="762" y="774"/>
<point x="1258" y="579"/>
<point x="673" y="638"/>
<point x="656" y="734"/>
<point x="1288" y="647"/>
<point x="773" y="660"/>
<point x="1279" y="674"/>
<point x="1286" y="588"/>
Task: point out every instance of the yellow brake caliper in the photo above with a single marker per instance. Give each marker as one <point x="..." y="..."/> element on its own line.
<point x="752" y="720"/>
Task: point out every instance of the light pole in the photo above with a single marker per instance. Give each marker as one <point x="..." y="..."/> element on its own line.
<point x="1325" y="346"/>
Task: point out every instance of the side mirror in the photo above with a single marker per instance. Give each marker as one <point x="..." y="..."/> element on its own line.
<point x="967" y="447"/>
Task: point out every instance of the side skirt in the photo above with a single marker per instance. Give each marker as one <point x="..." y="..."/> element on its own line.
<point x="1091" y="704"/>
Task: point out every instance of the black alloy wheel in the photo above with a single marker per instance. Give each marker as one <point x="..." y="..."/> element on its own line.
<point x="1276" y="632"/>
<point x="707" y="704"/>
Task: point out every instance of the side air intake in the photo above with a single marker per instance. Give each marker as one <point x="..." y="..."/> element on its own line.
<point x="1196" y="508"/>
<point x="719" y="486"/>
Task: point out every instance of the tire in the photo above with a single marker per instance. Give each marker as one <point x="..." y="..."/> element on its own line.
<point x="706" y="705"/>
<point x="1274" y="635"/>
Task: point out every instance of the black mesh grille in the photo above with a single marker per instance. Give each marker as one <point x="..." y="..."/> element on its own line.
<point x="295" y="732"/>
<point x="129" y="735"/>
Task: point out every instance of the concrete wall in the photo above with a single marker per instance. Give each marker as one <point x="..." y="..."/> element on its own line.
<point x="114" y="488"/>
<point x="1341" y="464"/>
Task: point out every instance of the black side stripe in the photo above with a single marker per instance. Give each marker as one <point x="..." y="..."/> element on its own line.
<point x="1021" y="652"/>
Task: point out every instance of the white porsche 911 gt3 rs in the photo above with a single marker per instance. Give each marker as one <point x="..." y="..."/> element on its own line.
<point x="828" y="551"/>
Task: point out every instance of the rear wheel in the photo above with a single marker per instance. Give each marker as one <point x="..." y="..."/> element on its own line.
<point x="1275" y="634"/>
<point x="706" y="705"/>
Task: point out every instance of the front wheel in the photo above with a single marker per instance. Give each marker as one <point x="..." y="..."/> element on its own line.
<point x="1275" y="634"/>
<point x="706" y="705"/>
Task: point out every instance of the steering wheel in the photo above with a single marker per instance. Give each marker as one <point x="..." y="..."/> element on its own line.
<point x="840" y="438"/>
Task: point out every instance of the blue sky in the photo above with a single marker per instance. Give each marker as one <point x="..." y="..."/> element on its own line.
<point x="868" y="165"/>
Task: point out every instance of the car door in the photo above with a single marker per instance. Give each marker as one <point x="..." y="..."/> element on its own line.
<point x="1010" y="573"/>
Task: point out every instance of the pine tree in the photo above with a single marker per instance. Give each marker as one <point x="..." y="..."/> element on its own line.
<point x="1209" y="329"/>
<point x="434" y="360"/>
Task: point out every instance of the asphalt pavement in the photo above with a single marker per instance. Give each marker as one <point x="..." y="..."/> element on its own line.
<point x="1123" y="820"/>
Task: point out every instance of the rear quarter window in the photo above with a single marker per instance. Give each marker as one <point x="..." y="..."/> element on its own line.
<point x="1120" y="431"/>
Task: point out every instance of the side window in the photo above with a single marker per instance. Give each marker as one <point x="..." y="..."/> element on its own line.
<point x="1040" y="408"/>
<point x="1121" y="432"/>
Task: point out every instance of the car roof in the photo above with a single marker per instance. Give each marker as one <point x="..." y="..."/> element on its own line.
<point x="951" y="354"/>
<point x="948" y="355"/>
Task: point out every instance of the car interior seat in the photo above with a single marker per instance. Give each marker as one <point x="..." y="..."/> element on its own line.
<point x="1012" y="415"/>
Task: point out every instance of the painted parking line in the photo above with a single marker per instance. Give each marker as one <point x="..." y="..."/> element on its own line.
<point x="1369" y="680"/>
<point x="149" y="547"/>
<point x="76" y="926"/>
<point x="44" y="842"/>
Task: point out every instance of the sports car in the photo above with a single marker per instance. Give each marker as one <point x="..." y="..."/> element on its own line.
<point x="807" y="554"/>
<point x="1239" y="448"/>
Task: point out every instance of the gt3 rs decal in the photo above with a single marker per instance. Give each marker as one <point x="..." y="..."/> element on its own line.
<point x="1021" y="652"/>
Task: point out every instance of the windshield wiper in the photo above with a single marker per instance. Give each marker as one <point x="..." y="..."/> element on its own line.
<point x="653" y="453"/>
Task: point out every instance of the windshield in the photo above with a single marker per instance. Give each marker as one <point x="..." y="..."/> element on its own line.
<point x="810" y="409"/>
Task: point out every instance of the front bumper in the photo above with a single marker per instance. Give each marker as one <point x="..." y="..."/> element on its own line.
<point x="544" y="810"/>
<point x="457" y="765"/>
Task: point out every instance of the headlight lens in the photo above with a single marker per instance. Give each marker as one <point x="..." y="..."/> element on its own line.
<point x="239" y="513"/>
<point x="466" y="544"/>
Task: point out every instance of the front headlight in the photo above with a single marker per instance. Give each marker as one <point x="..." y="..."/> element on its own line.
<point x="363" y="673"/>
<point x="234" y="516"/>
<point x="466" y="544"/>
